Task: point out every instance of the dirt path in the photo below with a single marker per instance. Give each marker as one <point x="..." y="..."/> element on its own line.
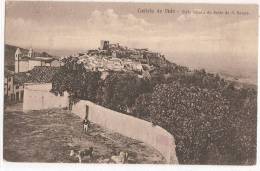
<point x="49" y="135"/>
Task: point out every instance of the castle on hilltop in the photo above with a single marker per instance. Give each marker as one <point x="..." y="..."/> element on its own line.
<point x="115" y="50"/>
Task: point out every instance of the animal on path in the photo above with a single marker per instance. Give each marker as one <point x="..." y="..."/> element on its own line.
<point x="121" y="158"/>
<point x="85" y="125"/>
<point x="80" y="154"/>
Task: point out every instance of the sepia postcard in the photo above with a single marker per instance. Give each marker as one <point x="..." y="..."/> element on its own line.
<point x="130" y="83"/>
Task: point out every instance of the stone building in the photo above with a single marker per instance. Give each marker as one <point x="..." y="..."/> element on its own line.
<point x="104" y="44"/>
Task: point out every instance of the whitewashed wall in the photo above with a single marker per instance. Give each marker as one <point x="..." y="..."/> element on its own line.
<point x="23" y="66"/>
<point x="130" y="126"/>
<point x="38" y="96"/>
<point x="33" y="63"/>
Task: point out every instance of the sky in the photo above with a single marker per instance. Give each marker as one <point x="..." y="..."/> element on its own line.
<point x="217" y="42"/>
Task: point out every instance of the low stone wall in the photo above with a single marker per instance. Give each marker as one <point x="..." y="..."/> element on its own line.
<point x="38" y="96"/>
<point x="130" y="126"/>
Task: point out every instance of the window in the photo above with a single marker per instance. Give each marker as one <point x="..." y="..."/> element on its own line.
<point x="17" y="87"/>
<point x="9" y="79"/>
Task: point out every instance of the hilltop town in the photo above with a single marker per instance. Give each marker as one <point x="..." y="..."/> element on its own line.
<point x="34" y="67"/>
<point x="114" y="57"/>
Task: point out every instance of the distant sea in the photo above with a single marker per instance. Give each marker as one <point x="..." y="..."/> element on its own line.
<point x="243" y="70"/>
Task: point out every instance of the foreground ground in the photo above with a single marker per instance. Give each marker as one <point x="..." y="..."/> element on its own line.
<point x="49" y="135"/>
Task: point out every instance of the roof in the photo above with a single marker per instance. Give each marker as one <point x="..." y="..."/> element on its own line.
<point x="21" y="78"/>
<point x="46" y="59"/>
<point x="39" y="74"/>
<point x="25" y="58"/>
<point x="39" y="58"/>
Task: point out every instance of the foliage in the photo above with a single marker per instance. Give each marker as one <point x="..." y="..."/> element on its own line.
<point x="196" y="117"/>
<point x="243" y="110"/>
<point x="141" y="109"/>
<point x="212" y="121"/>
<point x="120" y="90"/>
<point x="73" y="78"/>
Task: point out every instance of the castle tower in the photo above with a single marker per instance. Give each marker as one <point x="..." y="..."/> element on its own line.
<point x="18" y="55"/>
<point x="104" y="44"/>
<point x="30" y="53"/>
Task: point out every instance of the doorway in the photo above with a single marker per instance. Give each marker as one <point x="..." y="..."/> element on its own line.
<point x="87" y="112"/>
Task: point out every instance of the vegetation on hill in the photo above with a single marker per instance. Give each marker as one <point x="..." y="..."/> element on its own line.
<point x="121" y="89"/>
<point x="79" y="83"/>
<point x="207" y="126"/>
<point x="9" y="55"/>
<point x="212" y="121"/>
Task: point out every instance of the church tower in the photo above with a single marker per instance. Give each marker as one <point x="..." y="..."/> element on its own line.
<point x="18" y="55"/>
<point x="30" y="53"/>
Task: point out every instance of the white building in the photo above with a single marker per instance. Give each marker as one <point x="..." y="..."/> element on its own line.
<point x="26" y="62"/>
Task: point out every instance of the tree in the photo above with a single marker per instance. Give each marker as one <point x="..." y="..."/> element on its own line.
<point x="141" y="109"/>
<point x="120" y="90"/>
<point x="73" y="78"/>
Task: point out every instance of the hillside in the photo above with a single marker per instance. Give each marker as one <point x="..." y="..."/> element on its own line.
<point x="24" y="137"/>
<point x="9" y="55"/>
<point x="213" y="120"/>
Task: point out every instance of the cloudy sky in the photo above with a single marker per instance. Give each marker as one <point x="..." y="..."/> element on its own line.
<point x="217" y="42"/>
